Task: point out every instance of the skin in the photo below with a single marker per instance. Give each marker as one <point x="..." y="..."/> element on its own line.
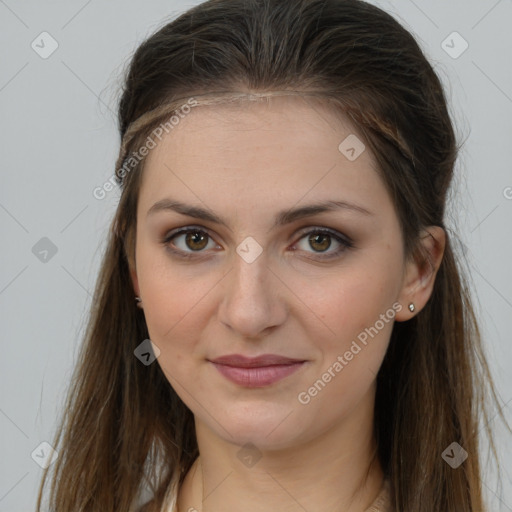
<point x="246" y="163"/>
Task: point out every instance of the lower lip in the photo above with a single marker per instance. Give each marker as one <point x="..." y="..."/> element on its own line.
<point x="257" y="377"/>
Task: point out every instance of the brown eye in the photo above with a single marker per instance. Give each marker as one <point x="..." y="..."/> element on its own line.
<point x="320" y="242"/>
<point x="188" y="241"/>
<point x="196" y="240"/>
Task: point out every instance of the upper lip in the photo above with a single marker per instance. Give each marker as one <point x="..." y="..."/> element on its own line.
<point x="241" y="361"/>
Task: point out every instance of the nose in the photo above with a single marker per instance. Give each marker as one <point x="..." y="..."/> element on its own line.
<point x="254" y="303"/>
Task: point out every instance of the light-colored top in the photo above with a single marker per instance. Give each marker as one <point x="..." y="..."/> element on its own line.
<point x="382" y="502"/>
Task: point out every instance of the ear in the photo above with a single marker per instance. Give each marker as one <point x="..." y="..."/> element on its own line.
<point x="420" y="272"/>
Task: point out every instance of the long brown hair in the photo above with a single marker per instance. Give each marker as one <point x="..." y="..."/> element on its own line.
<point x="123" y="426"/>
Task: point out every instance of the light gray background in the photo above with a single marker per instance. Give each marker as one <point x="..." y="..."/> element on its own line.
<point x="59" y="141"/>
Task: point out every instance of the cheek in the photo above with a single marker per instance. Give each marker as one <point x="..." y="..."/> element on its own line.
<point x="351" y="301"/>
<point x="175" y="300"/>
<point x="357" y="315"/>
<point x="358" y="312"/>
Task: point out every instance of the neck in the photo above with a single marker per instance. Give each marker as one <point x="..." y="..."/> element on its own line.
<point x="338" y="471"/>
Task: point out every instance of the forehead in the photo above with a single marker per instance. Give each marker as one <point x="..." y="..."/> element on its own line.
<point x="283" y="118"/>
<point x="287" y="146"/>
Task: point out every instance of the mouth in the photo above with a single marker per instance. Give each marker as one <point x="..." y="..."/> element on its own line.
<point x="255" y="372"/>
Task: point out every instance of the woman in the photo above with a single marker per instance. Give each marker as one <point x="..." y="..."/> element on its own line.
<point x="279" y="322"/>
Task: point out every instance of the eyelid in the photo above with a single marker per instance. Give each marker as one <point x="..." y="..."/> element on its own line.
<point x="344" y="240"/>
<point x="323" y="229"/>
<point x="184" y="230"/>
<point x="179" y="254"/>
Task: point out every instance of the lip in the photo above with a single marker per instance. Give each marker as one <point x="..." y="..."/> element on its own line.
<point x="258" y="371"/>
<point x="241" y="361"/>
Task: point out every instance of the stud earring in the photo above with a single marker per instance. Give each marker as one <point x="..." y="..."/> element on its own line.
<point x="139" y="301"/>
<point x="411" y="307"/>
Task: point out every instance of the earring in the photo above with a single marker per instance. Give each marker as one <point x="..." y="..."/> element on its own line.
<point x="411" y="307"/>
<point x="139" y="302"/>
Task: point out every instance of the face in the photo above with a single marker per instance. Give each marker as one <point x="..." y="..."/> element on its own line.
<point x="262" y="274"/>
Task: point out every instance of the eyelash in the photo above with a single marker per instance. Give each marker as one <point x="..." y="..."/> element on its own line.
<point x="344" y="241"/>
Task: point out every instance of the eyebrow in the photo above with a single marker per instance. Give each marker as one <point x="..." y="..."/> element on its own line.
<point x="282" y="218"/>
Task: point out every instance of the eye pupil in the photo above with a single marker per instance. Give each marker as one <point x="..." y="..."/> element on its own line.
<point x="194" y="238"/>
<point x="313" y="239"/>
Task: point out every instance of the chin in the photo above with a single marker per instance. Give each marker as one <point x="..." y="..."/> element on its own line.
<point x="266" y="429"/>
